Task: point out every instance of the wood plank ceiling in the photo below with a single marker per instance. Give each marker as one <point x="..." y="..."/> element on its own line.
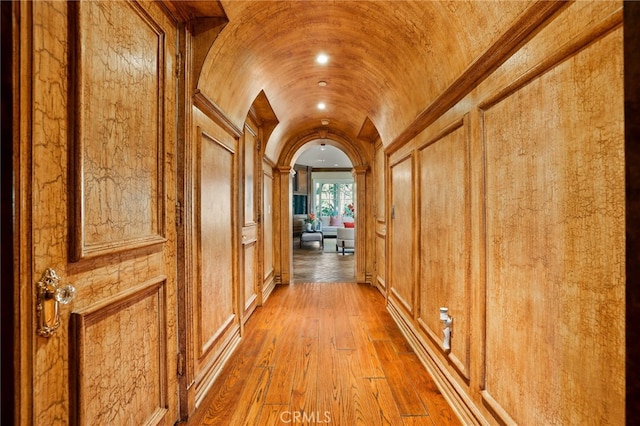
<point x="388" y="60"/>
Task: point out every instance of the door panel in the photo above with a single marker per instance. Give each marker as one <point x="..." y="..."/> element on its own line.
<point x="130" y="359"/>
<point x="117" y="127"/>
<point x="268" y="267"/>
<point x="215" y="288"/>
<point x="215" y="298"/>
<point x="250" y="253"/>
<point x="98" y="141"/>
<point x="402" y="233"/>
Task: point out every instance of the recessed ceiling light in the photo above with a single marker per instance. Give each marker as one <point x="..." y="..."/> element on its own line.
<point x="322" y="58"/>
<point x="324" y="122"/>
<point x="321" y="105"/>
<point x="322" y="83"/>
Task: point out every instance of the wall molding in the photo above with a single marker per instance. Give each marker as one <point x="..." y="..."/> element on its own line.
<point x="460" y="402"/>
<point x="531" y="21"/>
<point x="213" y="111"/>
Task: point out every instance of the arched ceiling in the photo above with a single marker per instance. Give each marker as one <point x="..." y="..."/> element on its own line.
<point x="388" y="60"/>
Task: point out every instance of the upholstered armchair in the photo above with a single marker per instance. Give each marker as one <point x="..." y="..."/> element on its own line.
<point x="345" y="239"/>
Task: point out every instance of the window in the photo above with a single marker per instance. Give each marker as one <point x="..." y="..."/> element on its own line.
<point x="333" y="199"/>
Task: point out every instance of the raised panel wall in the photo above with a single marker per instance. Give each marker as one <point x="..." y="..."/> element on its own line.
<point x="380" y="223"/>
<point x="118" y="151"/>
<point x="538" y="146"/>
<point x="402" y="235"/>
<point x="445" y="240"/>
<point x="215" y="300"/>
<point x="216" y="288"/>
<point x="554" y="238"/>
<point x="268" y="279"/>
<point x="119" y="368"/>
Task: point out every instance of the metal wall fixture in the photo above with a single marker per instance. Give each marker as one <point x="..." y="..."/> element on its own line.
<point x="49" y="295"/>
<point x="447" y="323"/>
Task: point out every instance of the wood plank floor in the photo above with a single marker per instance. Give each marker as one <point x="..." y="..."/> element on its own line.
<point x="313" y="264"/>
<point x="324" y="354"/>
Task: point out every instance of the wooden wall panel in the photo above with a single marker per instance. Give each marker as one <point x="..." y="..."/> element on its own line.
<point x="250" y="138"/>
<point x="402" y="233"/>
<point x="380" y="222"/>
<point x="555" y="243"/>
<point x="212" y="290"/>
<point x="381" y="256"/>
<point x="118" y="370"/>
<point x="445" y="240"/>
<point x="96" y="107"/>
<point x="250" y="252"/>
<point x="215" y="294"/>
<point x="267" y="226"/>
<point x="118" y="150"/>
<point x="380" y="183"/>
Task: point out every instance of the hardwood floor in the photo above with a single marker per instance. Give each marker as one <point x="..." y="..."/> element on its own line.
<point x="313" y="264"/>
<point x="319" y="354"/>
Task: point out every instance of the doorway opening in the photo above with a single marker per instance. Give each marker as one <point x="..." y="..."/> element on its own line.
<point x="323" y="201"/>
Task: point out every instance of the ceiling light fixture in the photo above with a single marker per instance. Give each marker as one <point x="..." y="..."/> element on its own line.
<point x="324" y="122"/>
<point x="322" y="83"/>
<point x="322" y="58"/>
<point x="322" y="146"/>
<point x="322" y="105"/>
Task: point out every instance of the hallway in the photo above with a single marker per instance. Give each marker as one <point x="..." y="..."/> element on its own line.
<point x="324" y="353"/>
<point x="155" y="179"/>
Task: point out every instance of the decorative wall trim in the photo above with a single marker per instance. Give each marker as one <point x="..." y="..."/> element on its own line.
<point x="571" y="48"/>
<point x="213" y="111"/>
<point x="84" y="109"/>
<point x="528" y="23"/>
<point x="204" y="383"/>
<point x="461" y="365"/>
<point x="400" y="299"/>
<point x="268" y="286"/>
<point x="451" y="390"/>
<point x="496" y="408"/>
<point x="80" y="351"/>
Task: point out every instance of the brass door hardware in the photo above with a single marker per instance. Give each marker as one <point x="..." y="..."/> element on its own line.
<point x="49" y="295"/>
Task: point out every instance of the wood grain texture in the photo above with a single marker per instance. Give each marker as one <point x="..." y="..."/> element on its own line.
<point x="380" y="223"/>
<point x="445" y="235"/>
<point x="267" y="225"/>
<point x="51" y="201"/>
<point x="291" y="369"/>
<point x="356" y="35"/>
<point x="120" y="364"/>
<point x="118" y="127"/>
<point x="402" y="285"/>
<point x="215" y="302"/>
<point x="555" y="251"/>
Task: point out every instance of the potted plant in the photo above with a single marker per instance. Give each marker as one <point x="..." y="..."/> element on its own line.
<point x="310" y="222"/>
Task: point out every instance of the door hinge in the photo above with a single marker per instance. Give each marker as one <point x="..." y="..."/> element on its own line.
<point x="179" y="213"/>
<point x="178" y="65"/>
<point x="180" y="368"/>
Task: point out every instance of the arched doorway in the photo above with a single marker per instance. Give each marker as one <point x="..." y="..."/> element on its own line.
<point x="360" y="154"/>
<point x="323" y="202"/>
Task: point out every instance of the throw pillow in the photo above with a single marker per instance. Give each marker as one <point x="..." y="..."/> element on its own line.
<point x="336" y="221"/>
<point x="349" y="224"/>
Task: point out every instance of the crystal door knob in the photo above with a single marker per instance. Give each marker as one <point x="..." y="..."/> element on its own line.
<point x="65" y="294"/>
<point x="49" y="294"/>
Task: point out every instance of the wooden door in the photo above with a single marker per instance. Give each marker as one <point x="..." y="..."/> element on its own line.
<point x="96" y="130"/>
<point x="250" y="247"/>
<point x="402" y="234"/>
